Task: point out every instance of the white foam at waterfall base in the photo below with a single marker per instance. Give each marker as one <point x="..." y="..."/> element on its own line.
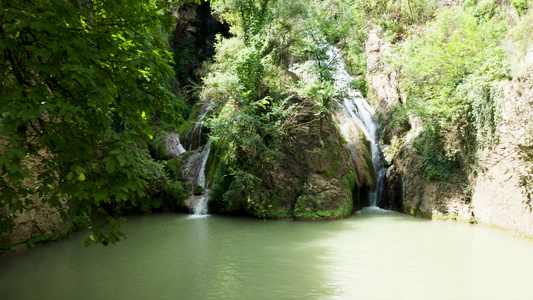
<point x="374" y="210"/>
<point x="200" y="208"/>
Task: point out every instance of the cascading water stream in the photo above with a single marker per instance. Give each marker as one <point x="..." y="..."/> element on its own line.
<point x="197" y="130"/>
<point x="354" y="112"/>
<point x="358" y="110"/>
<point x="200" y="207"/>
<point x="196" y="167"/>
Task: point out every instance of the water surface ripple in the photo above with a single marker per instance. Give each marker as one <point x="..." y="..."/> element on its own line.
<point x="372" y="255"/>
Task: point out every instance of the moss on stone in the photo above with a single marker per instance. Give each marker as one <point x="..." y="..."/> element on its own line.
<point x="186" y="126"/>
<point x="349" y="184"/>
<point x="313" y="179"/>
<point x="366" y="155"/>
<point x="174" y="165"/>
<point x="416" y="211"/>
<point x="214" y="161"/>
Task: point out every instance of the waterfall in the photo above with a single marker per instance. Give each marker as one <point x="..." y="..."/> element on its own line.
<point x="204" y="155"/>
<point x="200" y="207"/>
<point x="197" y="130"/>
<point x="195" y="166"/>
<point x="355" y="108"/>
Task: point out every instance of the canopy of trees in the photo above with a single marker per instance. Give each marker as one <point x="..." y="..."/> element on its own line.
<point x="81" y="84"/>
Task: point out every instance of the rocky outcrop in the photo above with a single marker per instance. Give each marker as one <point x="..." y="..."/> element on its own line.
<point x="193" y="39"/>
<point x="384" y="93"/>
<point x="497" y="191"/>
<point x="314" y="179"/>
<point x="38" y="219"/>
<point x="412" y="193"/>
<point x="503" y="188"/>
<point x="382" y="82"/>
<point x="173" y="146"/>
<point x="360" y="150"/>
<point x="407" y="189"/>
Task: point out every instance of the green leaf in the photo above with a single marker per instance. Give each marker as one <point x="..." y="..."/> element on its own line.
<point x="81" y="177"/>
<point x="80" y="170"/>
<point x="68" y="80"/>
<point x="121" y="159"/>
<point x="110" y="166"/>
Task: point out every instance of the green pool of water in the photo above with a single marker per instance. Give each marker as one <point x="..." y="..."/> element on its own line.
<point x="372" y="255"/>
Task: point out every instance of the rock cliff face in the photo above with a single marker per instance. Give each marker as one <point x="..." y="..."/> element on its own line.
<point x="408" y="190"/>
<point x="414" y="194"/>
<point x="360" y="151"/>
<point x="497" y="191"/>
<point x="383" y="84"/>
<point x="313" y="180"/>
<point x="501" y="193"/>
<point x="193" y="39"/>
<point x="38" y="219"/>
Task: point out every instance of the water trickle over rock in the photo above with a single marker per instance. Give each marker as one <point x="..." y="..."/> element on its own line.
<point x="195" y="168"/>
<point x="354" y="111"/>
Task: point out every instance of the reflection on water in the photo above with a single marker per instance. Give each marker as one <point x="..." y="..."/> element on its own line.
<point x="373" y="255"/>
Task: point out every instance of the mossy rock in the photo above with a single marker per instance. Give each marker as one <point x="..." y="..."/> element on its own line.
<point x="314" y="179"/>
<point x="309" y="207"/>
<point x="157" y="146"/>
<point x="306" y="206"/>
<point x="174" y="165"/>
<point x="364" y="164"/>
<point x="189" y="124"/>
<point x="198" y="190"/>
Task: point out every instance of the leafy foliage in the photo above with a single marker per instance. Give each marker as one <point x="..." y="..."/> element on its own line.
<point x="450" y="74"/>
<point x="81" y="84"/>
<point x="517" y="42"/>
<point x="521" y="6"/>
<point x="250" y="104"/>
<point x="248" y="129"/>
<point x="247" y="17"/>
<point x="453" y="48"/>
<point x="435" y="163"/>
<point x="251" y="88"/>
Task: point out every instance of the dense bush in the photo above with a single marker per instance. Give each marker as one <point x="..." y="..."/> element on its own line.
<point x="435" y="163"/>
<point x="249" y="99"/>
<point x="450" y="74"/>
